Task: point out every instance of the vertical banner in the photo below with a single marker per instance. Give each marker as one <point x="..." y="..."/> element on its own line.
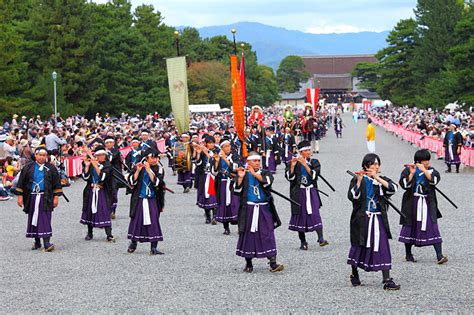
<point x="238" y="102"/>
<point x="178" y="85"/>
<point x="313" y="97"/>
<point x="242" y="79"/>
<point x="367" y="105"/>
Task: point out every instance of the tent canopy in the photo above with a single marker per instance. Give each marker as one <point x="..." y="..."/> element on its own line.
<point x="206" y="108"/>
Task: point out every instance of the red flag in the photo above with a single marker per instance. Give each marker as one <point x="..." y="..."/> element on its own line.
<point x="212" y="188"/>
<point x="242" y="79"/>
<point x="313" y="97"/>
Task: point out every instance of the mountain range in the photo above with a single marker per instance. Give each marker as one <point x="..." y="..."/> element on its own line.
<point x="272" y="44"/>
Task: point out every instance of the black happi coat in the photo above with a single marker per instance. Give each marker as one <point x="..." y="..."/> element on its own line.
<point x="295" y="182"/>
<point x="105" y="180"/>
<point x="242" y="191"/>
<point x="358" y="216"/>
<point x="407" y="201"/>
<point x="291" y="144"/>
<point x="457" y="141"/>
<point x="52" y="185"/>
<point x="235" y="162"/>
<point x="128" y="159"/>
<point x="157" y="185"/>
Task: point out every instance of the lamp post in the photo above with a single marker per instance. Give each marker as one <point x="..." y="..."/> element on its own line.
<point x="235" y="45"/>
<point x="176" y="41"/>
<point x="55" y="75"/>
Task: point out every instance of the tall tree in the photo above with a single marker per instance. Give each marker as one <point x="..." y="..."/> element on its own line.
<point x="209" y="83"/>
<point x="291" y="73"/>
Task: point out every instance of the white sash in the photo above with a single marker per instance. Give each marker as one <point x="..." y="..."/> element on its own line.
<point x="146" y="212"/>
<point x="421" y="211"/>
<point x="373" y="225"/>
<point x="34" y="220"/>
<point x="255" y="215"/>
<point x="309" y="208"/>
<point x="95" y="199"/>
<point x="227" y="192"/>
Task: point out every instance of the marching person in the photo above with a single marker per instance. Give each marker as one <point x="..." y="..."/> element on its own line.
<point x="115" y="159"/>
<point x="338" y="125"/>
<point x="147" y="202"/>
<point x="369" y="226"/>
<point x="289" y="145"/>
<point x="206" y="192"/>
<point x="98" y="194"/>
<point x="271" y="150"/>
<point x="420" y="206"/>
<point x="452" y="147"/>
<point x="133" y="156"/>
<point x="38" y="190"/>
<point x="257" y="214"/>
<point x="302" y="173"/>
<point x="223" y="165"/>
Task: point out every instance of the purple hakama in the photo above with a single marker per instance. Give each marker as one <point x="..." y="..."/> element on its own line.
<point x="305" y="222"/>
<point x="101" y="218"/>
<point x="227" y="213"/>
<point x="367" y="258"/>
<point x="43" y="225"/>
<point x="139" y="232"/>
<point x="412" y="234"/>
<point x="270" y="163"/>
<point x="261" y="243"/>
<point x="184" y="179"/>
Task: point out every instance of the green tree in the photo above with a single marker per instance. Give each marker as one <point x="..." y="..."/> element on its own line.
<point x="209" y="83"/>
<point x="368" y="75"/>
<point x="396" y="80"/>
<point x="291" y="73"/>
<point x="436" y="20"/>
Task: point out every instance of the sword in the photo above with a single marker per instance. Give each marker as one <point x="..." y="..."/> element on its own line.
<point x="327" y="183"/>
<point x="446" y="197"/>
<point x="384" y="197"/>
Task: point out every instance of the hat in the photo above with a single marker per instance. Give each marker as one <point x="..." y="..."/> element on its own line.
<point x="15" y="115"/>
<point x="256" y="107"/>
<point x="3" y="138"/>
<point x="308" y="105"/>
<point x="23" y="142"/>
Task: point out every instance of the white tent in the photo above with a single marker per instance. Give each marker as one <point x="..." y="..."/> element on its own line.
<point x="452" y="106"/>
<point x="205" y="108"/>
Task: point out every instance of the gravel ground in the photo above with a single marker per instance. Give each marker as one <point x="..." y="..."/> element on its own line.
<point x="201" y="273"/>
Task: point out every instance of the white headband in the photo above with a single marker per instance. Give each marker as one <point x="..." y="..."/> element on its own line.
<point x="135" y="140"/>
<point x="225" y="142"/>
<point x="100" y="152"/>
<point x="145" y="133"/>
<point x="254" y="158"/>
<point x="41" y="150"/>
<point x="109" y="140"/>
<point x="304" y="148"/>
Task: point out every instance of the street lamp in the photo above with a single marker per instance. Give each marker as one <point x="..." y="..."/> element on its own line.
<point x="176" y="36"/>
<point x="55" y="75"/>
<point x="235" y="45"/>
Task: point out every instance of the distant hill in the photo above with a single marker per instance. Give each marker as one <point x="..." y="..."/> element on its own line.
<point x="272" y="44"/>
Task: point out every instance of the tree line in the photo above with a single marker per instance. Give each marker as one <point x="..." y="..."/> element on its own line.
<point x="429" y="60"/>
<point x="110" y="58"/>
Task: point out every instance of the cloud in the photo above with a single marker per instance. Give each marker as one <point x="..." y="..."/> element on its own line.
<point x="313" y="16"/>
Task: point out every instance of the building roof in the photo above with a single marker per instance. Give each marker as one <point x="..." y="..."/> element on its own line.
<point x="293" y="96"/>
<point x="334" y="64"/>
<point x="369" y="95"/>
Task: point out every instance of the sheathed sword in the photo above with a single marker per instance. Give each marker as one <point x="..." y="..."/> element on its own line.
<point x="327" y="183"/>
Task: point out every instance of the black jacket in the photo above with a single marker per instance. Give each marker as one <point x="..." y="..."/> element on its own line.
<point x="242" y="190"/>
<point x="158" y="184"/>
<point x="235" y="162"/>
<point x="358" y="217"/>
<point x="295" y="182"/>
<point x="52" y="185"/>
<point x="407" y="201"/>
<point x="105" y="180"/>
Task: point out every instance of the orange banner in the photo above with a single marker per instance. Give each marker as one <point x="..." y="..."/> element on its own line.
<point x="238" y="102"/>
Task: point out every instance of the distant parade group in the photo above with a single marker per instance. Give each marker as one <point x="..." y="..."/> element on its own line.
<point x="234" y="187"/>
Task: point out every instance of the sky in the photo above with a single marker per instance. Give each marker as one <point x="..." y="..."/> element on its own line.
<point x="311" y="16"/>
